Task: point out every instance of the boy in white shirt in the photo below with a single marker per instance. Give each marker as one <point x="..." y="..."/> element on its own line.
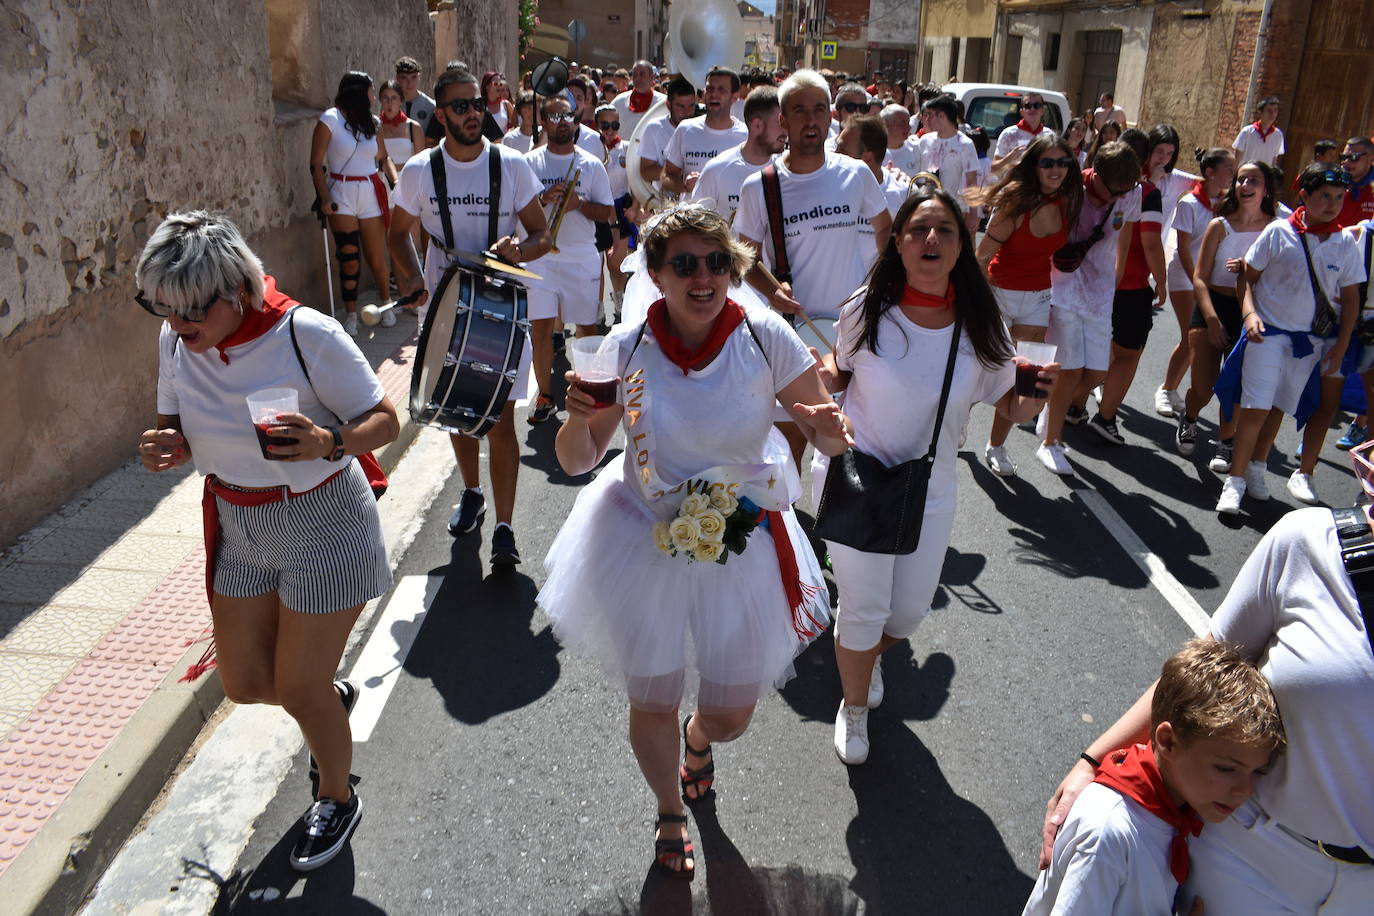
<point x="697" y="141"/>
<point x="1214" y="726"/>
<point x="1261" y="141"/>
<point x="946" y="152"/>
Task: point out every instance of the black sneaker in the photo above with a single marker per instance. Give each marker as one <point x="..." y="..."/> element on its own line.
<point x="1221" y="461"/>
<point x="503" y="552"/>
<point x="1106" y="429"/>
<point x="328" y="825"/>
<point x="471" y="507"/>
<point x="1185" y="437"/>
<point x="1075" y="416"/>
<point x="348" y="694"/>
<point x="543" y="410"/>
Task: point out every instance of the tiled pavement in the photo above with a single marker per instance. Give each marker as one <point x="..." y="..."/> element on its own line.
<point x="101" y="607"/>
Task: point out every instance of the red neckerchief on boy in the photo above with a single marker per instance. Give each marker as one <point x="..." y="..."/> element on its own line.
<point x="1132" y="772"/>
<point x="915" y="297"/>
<point x="1264" y="134"/>
<point x="1027" y="128"/>
<point x="399" y="119"/>
<point x="1299" y="223"/>
<point x="615" y="141"/>
<point x="257" y="323"/>
<point x="640" y="101"/>
<point x="1199" y="193"/>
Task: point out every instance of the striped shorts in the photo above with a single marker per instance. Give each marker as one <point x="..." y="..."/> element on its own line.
<point x="320" y="552"/>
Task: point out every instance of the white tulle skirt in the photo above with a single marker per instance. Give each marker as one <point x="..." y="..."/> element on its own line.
<point x="653" y="620"/>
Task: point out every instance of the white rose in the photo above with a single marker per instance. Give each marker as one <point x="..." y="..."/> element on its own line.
<point x="663" y="538"/>
<point x="708" y="551"/>
<point x="694" y="505"/>
<point x="685" y="533"/>
<point x="724" y="502"/>
<point x="712" y="525"/>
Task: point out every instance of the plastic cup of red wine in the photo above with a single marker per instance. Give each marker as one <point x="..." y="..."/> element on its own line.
<point x="263" y="408"/>
<point x="594" y="362"/>
<point x="1031" y="358"/>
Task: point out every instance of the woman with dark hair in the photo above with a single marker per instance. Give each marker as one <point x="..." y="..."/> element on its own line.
<point x="402" y="136"/>
<point x="927" y="305"/>
<point x="1032" y="208"/>
<point x="1107" y="133"/>
<point x="1076" y="138"/>
<point x="1244" y="209"/>
<point x="496" y="92"/>
<point x="345" y="159"/>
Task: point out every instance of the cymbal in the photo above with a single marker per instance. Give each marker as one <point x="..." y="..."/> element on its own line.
<point x="492" y="262"/>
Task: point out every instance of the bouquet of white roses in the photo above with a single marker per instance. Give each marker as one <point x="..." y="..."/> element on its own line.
<point x="708" y="528"/>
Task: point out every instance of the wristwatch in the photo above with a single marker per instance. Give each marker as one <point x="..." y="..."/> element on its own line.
<point x="338" y="452"/>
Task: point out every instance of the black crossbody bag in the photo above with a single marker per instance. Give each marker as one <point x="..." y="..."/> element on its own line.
<point x="1325" y="321"/>
<point x="875" y="508"/>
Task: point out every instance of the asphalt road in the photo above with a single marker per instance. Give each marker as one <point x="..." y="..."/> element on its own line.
<point x="499" y="779"/>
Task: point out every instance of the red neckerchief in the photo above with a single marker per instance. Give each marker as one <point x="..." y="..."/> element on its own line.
<point x="398" y="120"/>
<point x="1132" y="771"/>
<point x="730" y="317"/>
<point x="1027" y="128"/>
<point x="615" y="141"/>
<point x="257" y="323"/>
<point x="1200" y="194"/>
<point x="1299" y="223"/>
<point x="1264" y="134"/>
<point x="925" y="300"/>
<point x="639" y="101"/>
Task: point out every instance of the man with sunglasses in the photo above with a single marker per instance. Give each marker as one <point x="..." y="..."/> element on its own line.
<point x="465" y="156"/>
<point x="1014" y="139"/>
<point x="697" y="141"/>
<point x="850" y="99"/>
<point x="723" y="177"/>
<point x="1358" y="161"/>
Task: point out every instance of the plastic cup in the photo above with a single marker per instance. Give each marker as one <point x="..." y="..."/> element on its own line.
<point x="263" y="408"/>
<point x="1031" y="357"/>
<point x="594" y="361"/>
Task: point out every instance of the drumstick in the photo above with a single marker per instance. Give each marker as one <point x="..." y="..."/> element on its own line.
<point x="809" y="323"/>
<point x="371" y="314"/>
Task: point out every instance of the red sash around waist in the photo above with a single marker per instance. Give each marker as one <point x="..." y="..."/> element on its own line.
<point x="378" y="188"/>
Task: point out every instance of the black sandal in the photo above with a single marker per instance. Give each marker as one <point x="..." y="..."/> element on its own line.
<point x="678" y="851"/>
<point x="703" y="778"/>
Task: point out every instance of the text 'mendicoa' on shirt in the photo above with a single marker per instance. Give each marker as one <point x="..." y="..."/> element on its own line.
<point x="721" y="180"/>
<point x="694" y="144"/>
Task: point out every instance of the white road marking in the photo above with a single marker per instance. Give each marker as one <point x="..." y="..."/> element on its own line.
<point x="378" y="667"/>
<point x="1174" y="592"/>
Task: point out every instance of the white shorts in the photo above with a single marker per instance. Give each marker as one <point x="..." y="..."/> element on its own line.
<point x="1083" y="342"/>
<point x="1248" y="865"/>
<point x="355" y="198"/>
<point x="568" y="288"/>
<point x="1030" y="308"/>
<point x="1366" y="360"/>
<point x="1272" y="376"/>
<point x="1179" y="281"/>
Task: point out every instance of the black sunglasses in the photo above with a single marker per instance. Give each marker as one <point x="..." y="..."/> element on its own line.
<point x="685" y="265"/>
<point x="1032" y="106"/>
<point x="850" y="107"/>
<point x="461" y="106"/>
<point x="1330" y="176"/>
<point x="1063" y="162"/>
<point x="608" y="125"/>
<point x="195" y="314"/>
<point x="1352" y="157"/>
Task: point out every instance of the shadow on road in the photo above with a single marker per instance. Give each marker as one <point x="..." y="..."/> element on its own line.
<point x="914" y="692"/>
<point x="273" y="887"/>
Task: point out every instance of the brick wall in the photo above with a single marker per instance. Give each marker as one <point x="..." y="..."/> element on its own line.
<point x="1232" y="115"/>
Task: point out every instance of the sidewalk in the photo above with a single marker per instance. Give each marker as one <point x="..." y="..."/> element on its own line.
<point x="102" y="609"/>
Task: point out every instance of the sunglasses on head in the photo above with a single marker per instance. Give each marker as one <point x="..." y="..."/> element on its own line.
<point x="195" y="314"/>
<point x="1048" y="162"/>
<point x="1032" y="106"/>
<point x="685" y="265"/>
<point x="560" y="117"/>
<point x="608" y="125"/>
<point x="462" y="106"/>
<point x="1330" y="176"/>
<point x="850" y="107"/>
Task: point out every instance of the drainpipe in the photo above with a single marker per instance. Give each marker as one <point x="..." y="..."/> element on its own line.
<point x="1261" y="39"/>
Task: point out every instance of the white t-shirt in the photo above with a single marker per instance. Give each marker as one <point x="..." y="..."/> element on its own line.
<point x="1283" y="293"/>
<point x="614" y="161"/>
<point x="1172" y="186"/>
<point x="1089" y="291"/>
<point x="1292" y="610"/>
<point x="629" y="120"/>
<point x="722" y="178"/>
<point x="951" y="159"/>
<point x="895" y="187"/>
<point x="1111" y="858"/>
<point x="1013" y="138"/>
<point x="903" y="158"/>
<point x="210" y="396"/>
<point x="654" y="140"/>
<point x="1254" y="148"/>
<point x="1192" y="217"/>
<point x="347" y="154"/>
<point x="469" y="196"/>
<point x="694" y="144"/>
<point x="821" y="211"/>
<point x="893" y="397"/>
<point x="517" y="141"/>
<point x="577" y="234"/>
<point x="586" y="138"/>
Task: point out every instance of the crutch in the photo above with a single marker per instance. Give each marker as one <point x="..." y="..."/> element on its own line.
<point x="328" y="270"/>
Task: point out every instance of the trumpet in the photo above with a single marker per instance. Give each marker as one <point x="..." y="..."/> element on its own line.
<point x="561" y="208"/>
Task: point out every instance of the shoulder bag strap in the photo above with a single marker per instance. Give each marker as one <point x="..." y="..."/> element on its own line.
<point x="295" y="345"/>
<point x="436" y="168"/>
<point x="759" y="343"/>
<point x="772" y="200"/>
<point x="639" y="336"/>
<point x="1357" y="554"/>
<point x="944" y="390"/>
<point x="1312" y="273"/>
<point x="494" y="211"/>
<point x="1368" y="263"/>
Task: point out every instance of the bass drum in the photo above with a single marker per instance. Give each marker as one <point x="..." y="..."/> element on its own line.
<point x="468" y="355"/>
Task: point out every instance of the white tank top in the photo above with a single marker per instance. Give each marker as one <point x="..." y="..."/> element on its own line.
<point x="501" y="118"/>
<point x="1232" y="245"/>
<point x="398" y="150"/>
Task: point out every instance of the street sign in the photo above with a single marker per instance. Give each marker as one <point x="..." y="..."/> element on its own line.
<point x="577" y="30"/>
<point x="830" y="50"/>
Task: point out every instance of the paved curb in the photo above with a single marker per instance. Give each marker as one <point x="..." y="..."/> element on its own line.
<point x="64" y="860"/>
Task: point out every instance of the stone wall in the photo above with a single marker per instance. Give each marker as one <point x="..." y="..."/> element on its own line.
<point x="121" y="117"/>
<point x="482" y="34"/>
<point x="1035" y="28"/>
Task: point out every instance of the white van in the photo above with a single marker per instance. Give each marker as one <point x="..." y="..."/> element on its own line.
<point x="993" y="106"/>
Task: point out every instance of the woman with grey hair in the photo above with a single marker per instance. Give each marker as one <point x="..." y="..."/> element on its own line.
<point x="293" y="542"/>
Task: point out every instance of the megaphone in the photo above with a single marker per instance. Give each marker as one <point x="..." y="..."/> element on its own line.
<point x="550" y="77"/>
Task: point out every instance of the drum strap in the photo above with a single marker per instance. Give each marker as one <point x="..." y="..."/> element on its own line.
<point x="440" y="174"/>
<point x="772" y="199"/>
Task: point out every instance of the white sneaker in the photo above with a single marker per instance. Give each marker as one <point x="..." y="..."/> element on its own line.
<point x="1232" y="492"/>
<point x="1177" y="402"/>
<point x="1300" y="487"/>
<point x="389" y="316"/>
<point x="1168" y="403"/>
<point x="351" y="324"/>
<point x="851" y="734"/>
<point x="875" y="684"/>
<point x="1042" y="422"/>
<point x="1255" y="485"/>
<point x="1097" y="393"/>
<point x="1052" y="457"/>
<point x="998" y="461"/>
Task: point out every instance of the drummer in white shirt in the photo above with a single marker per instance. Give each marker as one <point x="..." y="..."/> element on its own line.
<point x="945" y="151"/>
<point x="723" y="177"/>
<point x="697" y="141"/>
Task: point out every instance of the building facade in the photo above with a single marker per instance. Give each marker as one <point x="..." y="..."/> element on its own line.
<point x="868" y="36"/>
<point x="617" y="32"/>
